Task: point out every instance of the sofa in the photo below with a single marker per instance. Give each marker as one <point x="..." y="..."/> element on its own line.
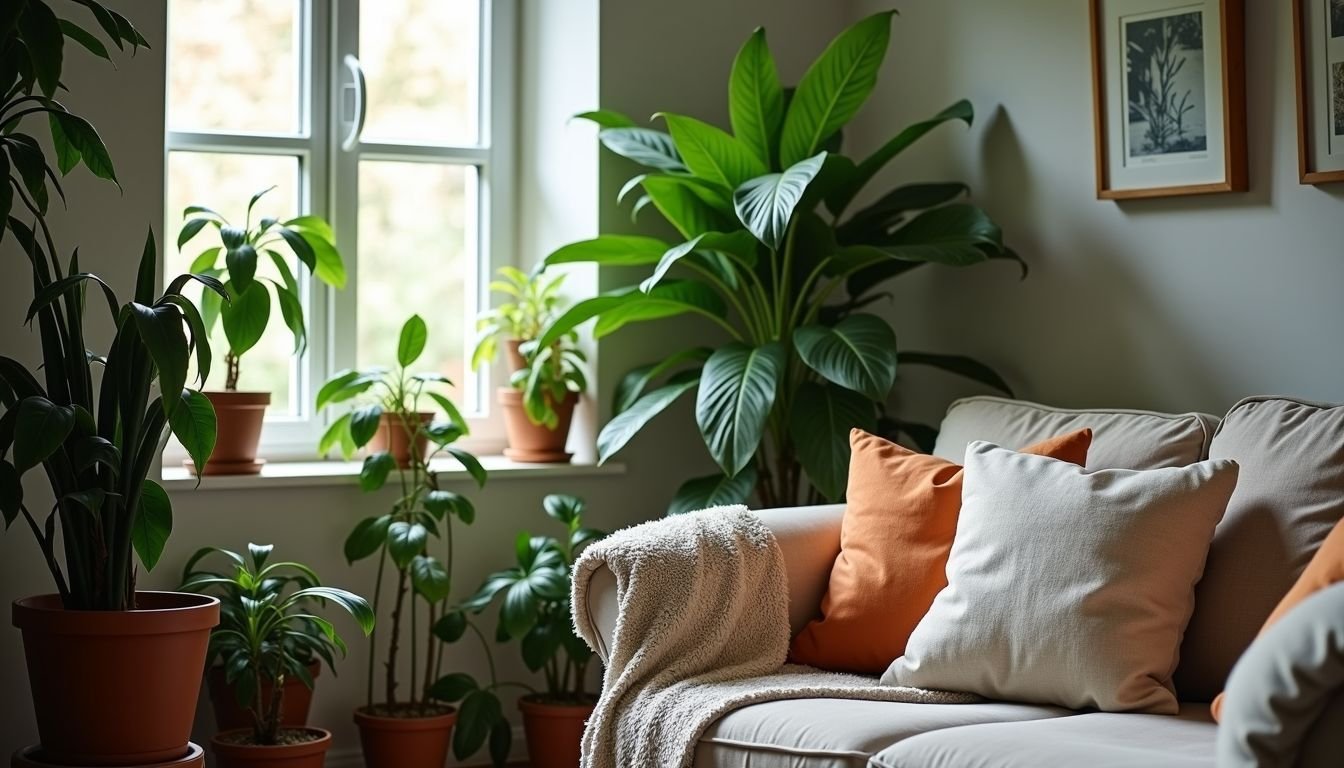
<point x="1289" y="496"/>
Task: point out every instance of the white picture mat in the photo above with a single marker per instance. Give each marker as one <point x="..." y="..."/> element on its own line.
<point x="1209" y="170"/>
<point x="1325" y="149"/>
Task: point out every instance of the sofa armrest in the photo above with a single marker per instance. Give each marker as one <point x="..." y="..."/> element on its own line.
<point x="809" y="538"/>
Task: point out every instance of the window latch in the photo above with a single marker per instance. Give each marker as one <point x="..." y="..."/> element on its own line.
<point x="354" y="106"/>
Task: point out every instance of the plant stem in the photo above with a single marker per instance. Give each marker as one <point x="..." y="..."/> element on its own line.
<point x="230" y="372"/>
<point x="373" y="636"/>
<point x="396" y="634"/>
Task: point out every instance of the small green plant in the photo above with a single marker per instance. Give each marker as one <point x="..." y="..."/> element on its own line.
<point x="549" y="373"/>
<point x="245" y="317"/>
<point x="267" y="629"/>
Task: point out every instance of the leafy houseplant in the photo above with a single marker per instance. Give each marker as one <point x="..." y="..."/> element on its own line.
<point x="410" y="730"/>
<point x="774" y="255"/>
<point x="95" y="435"/>
<point x="248" y="312"/>
<point x="545" y="381"/>
<point x="268" y="633"/>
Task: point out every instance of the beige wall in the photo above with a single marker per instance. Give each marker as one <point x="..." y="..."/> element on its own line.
<point x="1183" y="303"/>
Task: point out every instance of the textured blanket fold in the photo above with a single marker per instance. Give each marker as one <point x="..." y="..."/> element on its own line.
<point x="703" y="630"/>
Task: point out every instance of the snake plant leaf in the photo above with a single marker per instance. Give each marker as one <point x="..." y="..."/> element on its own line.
<point x="650" y="148"/>
<point x="611" y="251"/>
<point x="713" y="491"/>
<point x="765" y="204"/>
<point x="193" y="422"/>
<point x="737" y="391"/>
<point x="631" y="420"/>
<point x="245" y="317"/>
<point x="153" y="524"/>
<point x="711" y="153"/>
<point x="822" y="416"/>
<point x="858" y="353"/>
<point x="756" y="99"/>
<point x="834" y="87"/>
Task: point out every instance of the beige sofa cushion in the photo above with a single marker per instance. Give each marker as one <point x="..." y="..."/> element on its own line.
<point x="1289" y="497"/>
<point x="1067" y="587"/>
<point x="1100" y="740"/>
<point x="837" y="733"/>
<point x="1121" y="439"/>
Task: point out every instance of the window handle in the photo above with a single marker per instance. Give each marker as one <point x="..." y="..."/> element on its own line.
<point x="356" y="87"/>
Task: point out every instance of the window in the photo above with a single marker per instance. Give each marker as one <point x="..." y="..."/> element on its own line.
<point x="390" y="119"/>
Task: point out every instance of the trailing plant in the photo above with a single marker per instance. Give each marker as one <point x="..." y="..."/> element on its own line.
<point x="549" y="373"/>
<point x="421" y="514"/>
<point x="245" y="317"/>
<point x="772" y="254"/>
<point x="95" y="435"/>
<point x="268" y="630"/>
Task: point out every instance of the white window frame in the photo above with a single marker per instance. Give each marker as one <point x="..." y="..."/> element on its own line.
<point x="327" y="33"/>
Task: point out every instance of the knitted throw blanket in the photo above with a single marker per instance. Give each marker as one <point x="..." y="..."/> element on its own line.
<point x="703" y="630"/>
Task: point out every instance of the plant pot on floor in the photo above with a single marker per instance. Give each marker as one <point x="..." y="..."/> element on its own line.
<point x="401" y="739"/>
<point x="303" y="748"/>
<point x="116" y="687"/>
<point x="295" y="703"/>
<point x="32" y="757"/>
<point x="534" y="443"/>
<point x="391" y="437"/>
<point x="554" y="730"/>
<point x="239" y="416"/>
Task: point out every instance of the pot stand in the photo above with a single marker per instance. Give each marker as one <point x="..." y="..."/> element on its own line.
<point x="31" y="757"/>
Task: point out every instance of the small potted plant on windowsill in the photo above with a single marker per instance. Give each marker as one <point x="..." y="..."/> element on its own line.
<point x="247" y="314"/>
<point x="545" y="383"/>
<point x="266" y="637"/>
<point x="553" y="718"/>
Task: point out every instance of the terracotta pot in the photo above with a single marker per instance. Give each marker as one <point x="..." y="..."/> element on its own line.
<point x="391" y="436"/>
<point x="554" y="731"/>
<point x="305" y="754"/>
<point x="116" y="687"/>
<point x="405" y="742"/>
<point x="514" y="358"/>
<point x="33" y="757"/>
<point x="535" y="443"/>
<point x="295" y="703"/>
<point x="239" y="416"/>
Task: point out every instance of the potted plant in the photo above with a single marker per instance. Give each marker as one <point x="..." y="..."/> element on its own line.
<point x="267" y="634"/>
<point x="779" y="259"/>
<point x="406" y="726"/>
<point x="545" y="381"/>
<point x="247" y="314"/>
<point x="535" y="609"/>
<point x="114" y="672"/>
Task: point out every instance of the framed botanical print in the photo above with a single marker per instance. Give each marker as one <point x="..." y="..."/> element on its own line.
<point x="1169" y="97"/>
<point x="1318" y="27"/>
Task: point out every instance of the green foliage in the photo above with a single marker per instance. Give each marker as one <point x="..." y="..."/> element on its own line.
<point x="245" y="318"/>
<point x="268" y="629"/>
<point x="772" y="256"/>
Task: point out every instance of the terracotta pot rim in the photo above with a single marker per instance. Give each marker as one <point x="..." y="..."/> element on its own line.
<point x="172" y="613"/>
<point x="531" y="706"/>
<point x="424" y="416"/>
<point x="423" y="723"/>
<point x="32" y="756"/>
<point x="320" y="744"/>
<point x="238" y="398"/>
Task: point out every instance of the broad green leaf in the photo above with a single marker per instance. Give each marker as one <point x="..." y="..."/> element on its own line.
<point x="291" y="311"/>
<point x="539" y="645"/>
<point x="189" y="231"/>
<point x="960" y="365"/>
<point x="501" y="741"/>
<point x="688" y="208"/>
<point x="834" y="87"/>
<point x="84" y="140"/>
<point x="606" y="118"/>
<point x="358" y="608"/>
<point x="713" y="491"/>
<point x="631" y="386"/>
<point x="193" y="422"/>
<point x="471" y="463"/>
<point x="45" y="45"/>
<point x="630" y="421"/>
<point x="877" y="219"/>
<point x="364" y="423"/>
<point x="11" y="493"/>
<point x="737" y="391"/>
<point x="241" y="261"/>
<point x="373" y="474"/>
<point x="329" y="267"/>
<point x="200" y="335"/>
<point x="411" y="345"/>
<point x="39" y="429"/>
<point x="479" y="713"/>
<point x="367" y="538"/>
<point x="858" y="353"/>
<point x="83" y="37"/>
<point x="611" y="250"/>
<point x="563" y="507"/>
<point x="451" y="626"/>
<point x="405" y="541"/>
<point x="67" y="156"/>
<point x="246" y="316"/>
<point x="650" y="148"/>
<point x="152" y="525"/>
<point x="450" y="409"/>
<point x="453" y="687"/>
<point x="429" y="578"/>
<point x="765" y="205"/>
<point x="819" y="422"/>
<point x="739" y="243"/>
<point x="712" y="154"/>
<point x="161" y="331"/>
<point x="518" y="613"/>
<point x="954" y="235"/>
<point x="756" y="99"/>
<point x="312" y="224"/>
<point x="667" y="299"/>
<point x="334" y="435"/>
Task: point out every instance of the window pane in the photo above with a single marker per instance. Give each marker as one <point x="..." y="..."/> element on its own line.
<point x="417" y="253"/>
<point x="420" y="60"/>
<point x="233" y="65"/>
<point x="225" y="183"/>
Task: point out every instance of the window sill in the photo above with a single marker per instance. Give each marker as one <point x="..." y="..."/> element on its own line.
<point x="311" y="474"/>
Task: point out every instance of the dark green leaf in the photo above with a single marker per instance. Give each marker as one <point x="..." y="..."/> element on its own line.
<point x="241" y="260"/>
<point x="874" y="221"/>
<point x="563" y="507"/>
<point x="45" y="42"/>
<point x="84" y="140"/>
<point x="756" y="99"/>
<point x="451" y="626"/>
<point x="189" y="231"/>
<point x="471" y="463"/>
<point x="765" y="205"/>
<point x="539" y="645"/>
<point x="740" y="243"/>
<point x="67" y="156"/>
<point x="153" y="524"/>
<point x="519" y="610"/>
<point x="961" y="366"/>
<point x="667" y="299"/>
<point x="429" y="578"/>
<point x="737" y="392"/>
<point x="200" y="335"/>
<point x="633" y="384"/>
<point x="367" y="538"/>
<point x="356" y="606"/>
<point x="161" y="331"/>
<point x="364" y="423"/>
<point x="611" y="250"/>
<point x="405" y="541"/>
<point x="412" y="342"/>
<point x="246" y="316"/>
<point x="712" y="154"/>
<point x="451" y="411"/>
<point x="713" y="491"/>
<point x="479" y="713"/>
<point x="291" y="311"/>
<point x="819" y="422"/>
<point x="374" y="473"/>
<point x="858" y="353"/>
<point x="11" y="493"/>
<point x="501" y="741"/>
<point x="193" y="421"/>
<point x="629" y="422"/>
<point x="453" y="687"/>
<point x="954" y="235"/>
<point x="83" y="37"/>
<point x="645" y="146"/>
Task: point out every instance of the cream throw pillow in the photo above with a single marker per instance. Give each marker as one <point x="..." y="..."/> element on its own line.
<point x="1066" y="587"/>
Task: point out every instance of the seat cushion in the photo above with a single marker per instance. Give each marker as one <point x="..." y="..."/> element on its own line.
<point x="1121" y="439"/>
<point x="1289" y="496"/>
<point x="837" y="733"/>
<point x="1099" y="740"/>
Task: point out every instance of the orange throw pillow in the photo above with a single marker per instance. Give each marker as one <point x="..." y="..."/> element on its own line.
<point x="900" y="519"/>
<point x="1325" y="569"/>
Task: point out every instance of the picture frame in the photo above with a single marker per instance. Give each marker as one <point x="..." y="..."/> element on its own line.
<point x="1169" y="97"/>
<point x="1318" y="64"/>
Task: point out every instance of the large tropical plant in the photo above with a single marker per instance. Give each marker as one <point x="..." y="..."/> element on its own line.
<point x="95" y="435"/>
<point x="773" y="254"/>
